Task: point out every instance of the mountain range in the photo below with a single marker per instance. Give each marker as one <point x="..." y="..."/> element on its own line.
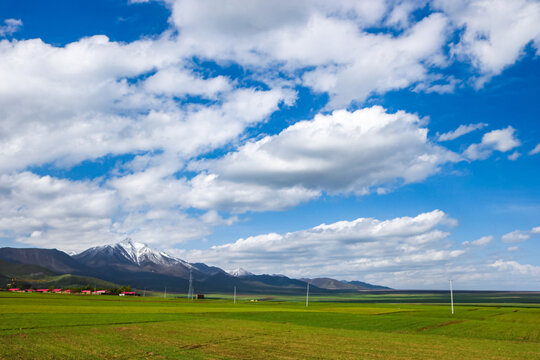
<point x="138" y="265"/>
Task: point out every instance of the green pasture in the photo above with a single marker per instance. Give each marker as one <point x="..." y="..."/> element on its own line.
<point x="52" y="326"/>
<point x="396" y="297"/>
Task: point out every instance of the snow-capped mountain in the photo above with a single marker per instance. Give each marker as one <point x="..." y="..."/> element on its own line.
<point x="140" y="253"/>
<point x="133" y="256"/>
<point x="238" y="272"/>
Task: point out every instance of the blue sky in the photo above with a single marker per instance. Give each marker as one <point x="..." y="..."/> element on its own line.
<point x="394" y="142"/>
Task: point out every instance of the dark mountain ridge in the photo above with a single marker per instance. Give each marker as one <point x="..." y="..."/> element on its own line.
<point x="51" y="259"/>
<point x="137" y="265"/>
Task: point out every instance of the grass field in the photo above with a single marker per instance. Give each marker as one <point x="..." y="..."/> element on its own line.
<point x="47" y="326"/>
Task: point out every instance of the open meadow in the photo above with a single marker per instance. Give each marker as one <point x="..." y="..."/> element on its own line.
<point x="48" y="326"/>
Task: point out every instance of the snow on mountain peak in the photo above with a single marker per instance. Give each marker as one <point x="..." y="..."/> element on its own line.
<point x="139" y="252"/>
<point x="239" y="272"/>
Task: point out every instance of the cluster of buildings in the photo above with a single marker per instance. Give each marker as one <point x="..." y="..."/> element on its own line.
<point x="61" y="291"/>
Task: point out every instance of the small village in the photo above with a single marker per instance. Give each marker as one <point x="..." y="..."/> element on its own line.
<point x="74" y="291"/>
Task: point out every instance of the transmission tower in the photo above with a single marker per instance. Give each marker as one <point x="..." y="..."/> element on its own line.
<point x="190" y="291"/>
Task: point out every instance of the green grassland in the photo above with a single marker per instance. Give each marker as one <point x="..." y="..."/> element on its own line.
<point x="517" y="298"/>
<point x="49" y="326"/>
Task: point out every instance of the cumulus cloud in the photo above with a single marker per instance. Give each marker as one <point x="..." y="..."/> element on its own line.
<point x="75" y="102"/>
<point x="460" y="131"/>
<point x="495" y="33"/>
<point x="392" y="63"/>
<point x="344" y="152"/>
<point x="347" y="60"/>
<point x="497" y="140"/>
<point x="344" y="249"/>
<point x="10" y="26"/>
<point x="349" y="63"/>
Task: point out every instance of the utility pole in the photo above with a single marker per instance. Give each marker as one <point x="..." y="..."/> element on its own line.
<point x="234" y="297"/>
<point x="451" y="298"/>
<point x="190" y="291"/>
<point x="307" y="295"/>
<point x="165" y="293"/>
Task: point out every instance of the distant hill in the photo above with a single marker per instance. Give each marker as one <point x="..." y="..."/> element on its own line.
<point x="333" y="284"/>
<point x="366" y="286"/>
<point x="68" y="280"/>
<point x="37" y="276"/>
<point x="10" y="270"/>
<point x="51" y="259"/>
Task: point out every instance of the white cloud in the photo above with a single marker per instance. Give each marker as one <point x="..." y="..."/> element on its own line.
<point x="437" y="84"/>
<point x="514" y="156"/>
<point x="483" y="241"/>
<point x="180" y="82"/>
<point x="208" y="191"/>
<point x="349" y="63"/>
<point x="495" y="31"/>
<point x="74" y="215"/>
<point x="61" y="105"/>
<point x="515" y="267"/>
<point x="89" y="98"/>
<point x="75" y="103"/>
<point x="345" y="152"/>
<point x="46" y="212"/>
<point x="460" y="131"/>
<point x="501" y="140"/>
<point x="367" y="63"/>
<point x="11" y="26"/>
<point x="536" y="150"/>
<point x="400" y="13"/>
<point x="518" y="236"/>
<point x="343" y="249"/>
